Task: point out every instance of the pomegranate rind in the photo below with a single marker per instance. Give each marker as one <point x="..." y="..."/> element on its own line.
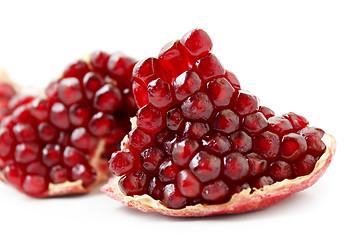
<point x="245" y="201"/>
<point x="96" y="161"/>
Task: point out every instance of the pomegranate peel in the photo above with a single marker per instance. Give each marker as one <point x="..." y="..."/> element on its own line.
<point x="244" y="201"/>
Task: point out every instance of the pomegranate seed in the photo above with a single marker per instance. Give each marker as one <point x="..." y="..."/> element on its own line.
<point x="196" y="130"/>
<point x="24" y="132"/>
<point x="150" y="119"/>
<point x="99" y="60"/>
<point x="183" y="152"/>
<point x="186" y="84"/>
<point x="36" y="168"/>
<point x="197" y="107"/>
<point x="6" y="91"/>
<point x="266" y="144"/>
<point x="139" y="140"/>
<point x="107" y="98"/>
<point x="51" y="154"/>
<point x="159" y="93"/>
<point x="304" y="165"/>
<point x="215" y="192"/>
<point x="145" y="71"/>
<point x="205" y="167"/>
<point x="122" y="162"/>
<point x="35" y="185"/>
<point x="92" y="82"/>
<point x="225" y="121"/>
<point x="70" y="91"/>
<point x="82" y="139"/>
<point x="292" y="146"/>
<point x="174" y="119"/>
<point x="77" y="69"/>
<point x="134" y="183"/>
<point x="263" y="181"/>
<point x="84" y="173"/>
<point x="156" y="188"/>
<point x="6" y="142"/>
<point x="59" y="116"/>
<point x="79" y="115"/>
<point x="240" y="142"/>
<point x="297" y="121"/>
<point x="209" y="67"/>
<point x="101" y="124"/>
<point x="217" y="144"/>
<point x="58" y="174"/>
<point x="173" y="198"/>
<point x="14" y="174"/>
<point x="246" y="103"/>
<point x="142" y="97"/>
<point x="255" y="123"/>
<point x="236" y="166"/>
<point x="26" y="152"/>
<point x="40" y="109"/>
<point x="233" y="80"/>
<point x="313" y="139"/>
<point x="267" y="112"/>
<point x="72" y="157"/>
<point x="151" y="159"/>
<point x="257" y="165"/>
<point x="279" y="125"/>
<point x="120" y="68"/>
<point x="47" y="132"/>
<point x="168" y="171"/>
<point x="188" y="184"/>
<point x="220" y="91"/>
<point x="197" y="42"/>
<point x="280" y="170"/>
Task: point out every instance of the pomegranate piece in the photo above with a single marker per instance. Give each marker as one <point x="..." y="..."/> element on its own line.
<point x="60" y="144"/>
<point x="203" y="146"/>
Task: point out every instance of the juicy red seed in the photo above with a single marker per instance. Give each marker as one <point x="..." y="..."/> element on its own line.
<point x="51" y="91"/>
<point x="205" y="167"/>
<point x="220" y="91"/>
<point x="99" y="60"/>
<point x="140" y="93"/>
<point x="58" y="174"/>
<point x="174" y="118"/>
<point x="246" y="103"/>
<point x="156" y="188"/>
<point x="26" y="152"/>
<point x="129" y="102"/>
<point x="24" y="132"/>
<point x="188" y="184"/>
<point x="297" y="121"/>
<point x="92" y="82"/>
<point x="101" y="124"/>
<point x="14" y="174"/>
<point x="72" y="157"/>
<point x="168" y="171"/>
<point x="120" y="68"/>
<point x="150" y="119"/>
<point x="240" y="142"/>
<point x="257" y="165"/>
<point x="46" y="132"/>
<point x="196" y="130"/>
<point x="280" y="170"/>
<point x="279" y="125"/>
<point x="169" y="144"/>
<point x="39" y="109"/>
<point x="236" y="166"/>
<point x="162" y="136"/>
<point x="19" y="100"/>
<point x="51" y="154"/>
<point x="239" y="187"/>
<point x="233" y="80"/>
<point x="151" y="158"/>
<point x="85" y="173"/>
<point x="304" y="165"/>
<point x="263" y="181"/>
<point x="82" y="139"/>
<point x="139" y="140"/>
<point x="292" y="146"/>
<point x="255" y="123"/>
<point x="183" y="152"/>
<point x="6" y="142"/>
<point x="77" y="69"/>
<point x="36" y="168"/>
<point x="159" y="93"/>
<point x="313" y="139"/>
<point x="64" y="138"/>
<point x="146" y="70"/>
<point x="266" y="144"/>
<point x="59" y="116"/>
<point x="197" y="42"/>
<point x="172" y="57"/>
<point x="79" y="115"/>
<point x="217" y="192"/>
<point x="6" y="91"/>
<point x="225" y="121"/>
<point x="134" y="183"/>
<point x="122" y="162"/>
<point x="197" y="107"/>
<point x="267" y="112"/>
<point x="186" y="84"/>
<point x="108" y="98"/>
<point x="172" y="197"/>
<point x="217" y="144"/>
<point x="35" y="185"/>
<point x="209" y="67"/>
<point x="70" y="91"/>
<point x="21" y="114"/>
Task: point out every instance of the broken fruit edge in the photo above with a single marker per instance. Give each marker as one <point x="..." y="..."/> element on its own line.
<point x="245" y="201"/>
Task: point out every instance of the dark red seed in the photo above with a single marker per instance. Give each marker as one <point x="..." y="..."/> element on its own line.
<point x="14" y="174"/>
<point x="263" y="181"/>
<point x="209" y="67"/>
<point x="188" y="184"/>
<point x="225" y="121"/>
<point x="6" y="142"/>
<point x="174" y="119"/>
<point x="159" y="93"/>
<point x="77" y="69"/>
<point x="101" y="124"/>
<point x="40" y="109"/>
<point x="99" y="59"/>
<point x="24" y="132"/>
<point x="35" y="185"/>
<point x="120" y="68"/>
<point x="279" y="125"/>
<point x="267" y="112"/>
<point x="79" y="115"/>
<point x="155" y="188"/>
<point x="217" y="144"/>
<point x="197" y="107"/>
<point x="108" y="98"/>
<point x="168" y="171"/>
<point x="280" y="170"/>
<point x="197" y="42"/>
<point x="70" y="91"/>
<point x="215" y="192"/>
<point x="296" y="120"/>
<point x="26" y="152"/>
<point x="255" y="123"/>
<point x="139" y="140"/>
<point x="150" y="119"/>
<point x="235" y="166"/>
<point x="304" y="165"/>
<point x="73" y="156"/>
<point x="59" y="116"/>
<point x="257" y="165"/>
<point x="220" y="91"/>
<point x="186" y="84"/>
<point x="172" y="197"/>
<point x="266" y="144"/>
<point x="151" y="158"/>
<point x="313" y="139"/>
<point x="245" y="103"/>
<point x="58" y="174"/>
<point x="240" y="141"/>
<point x="85" y="173"/>
<point x="146" y="70"/>
<point x="134" y="183"/>
<point x="205" y="167"/>
<point x="233" y="80"/>
<point x="140" y="93"/>
<point x="183" y="151"/>
<point x="196" y="130"/>
<point x="82" y="139"/>
<point x="92" y="82"/>
<point x="36" y="168"/>
<point x="292" y="146"/>
<point x="51" y="154"/>
<point x="122" y="162"/>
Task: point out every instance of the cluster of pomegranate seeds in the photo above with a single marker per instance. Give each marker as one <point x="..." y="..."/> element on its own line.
<point x="52" y="139"/>
<point x="200" y="138"/>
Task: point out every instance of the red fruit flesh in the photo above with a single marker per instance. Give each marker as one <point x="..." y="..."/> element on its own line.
<point x="59" y="144"/>
<point x="217" y="143"/>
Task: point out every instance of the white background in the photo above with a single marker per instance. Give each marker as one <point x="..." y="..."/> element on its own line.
<point x="301" y="56"/>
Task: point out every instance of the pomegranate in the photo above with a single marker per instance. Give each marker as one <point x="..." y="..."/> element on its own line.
<point x="200" y="145"/>
<point x="60" y="144"/>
